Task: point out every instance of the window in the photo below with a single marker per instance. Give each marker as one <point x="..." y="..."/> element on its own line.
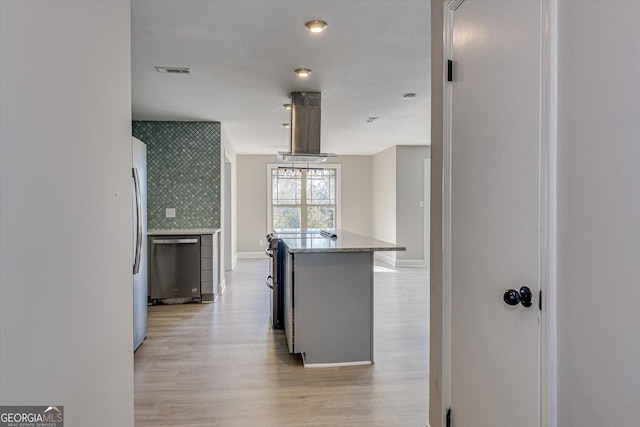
<point x="304" y="197"/>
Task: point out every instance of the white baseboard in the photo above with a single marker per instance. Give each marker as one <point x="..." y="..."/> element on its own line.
<point x="385" y="258"/>
<point x="400" y="262"/>
<point x="410" y="263"/>
<point x="234" y="261"/>
<point x="223" y="287"/>
<point x="250" y="255"/>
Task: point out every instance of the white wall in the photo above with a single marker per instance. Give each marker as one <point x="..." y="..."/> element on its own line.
<point x="599" y="213"/>
<point x="397" y="177"/>
<point x="356" y="193"/>
<point x="252" y="197"/>
<point x="66" y="250"/>
<point x="409" y="193"/>
<point x="252" y="201"/>
<point x="383" y="198"/>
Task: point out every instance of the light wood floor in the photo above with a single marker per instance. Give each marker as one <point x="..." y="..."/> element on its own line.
<point x="221" y="365"/>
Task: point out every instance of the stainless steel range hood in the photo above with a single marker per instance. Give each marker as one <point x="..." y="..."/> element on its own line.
<point x="305" y="130"/>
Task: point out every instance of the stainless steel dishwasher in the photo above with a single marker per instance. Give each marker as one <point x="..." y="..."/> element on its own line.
<point x="174" y="268"/>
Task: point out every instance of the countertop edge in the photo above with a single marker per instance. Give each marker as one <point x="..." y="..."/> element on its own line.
<point x="182" y="232"/>
<point x="345" y="242"/>
<point x="327" y="250"/>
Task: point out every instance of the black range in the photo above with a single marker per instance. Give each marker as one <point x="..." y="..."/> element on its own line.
<point x="276" y="252"/>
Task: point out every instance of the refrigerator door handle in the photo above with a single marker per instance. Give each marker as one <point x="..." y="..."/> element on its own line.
<point x="136" y="182"/>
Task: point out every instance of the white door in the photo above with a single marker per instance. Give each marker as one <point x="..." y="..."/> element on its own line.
<point x="495" y="213"/>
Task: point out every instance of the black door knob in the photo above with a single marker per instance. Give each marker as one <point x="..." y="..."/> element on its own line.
<point x="513" y="297"/>
<point x="526" y="296"/>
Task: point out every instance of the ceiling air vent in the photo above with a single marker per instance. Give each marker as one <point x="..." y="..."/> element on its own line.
<point x="173" y="70"/>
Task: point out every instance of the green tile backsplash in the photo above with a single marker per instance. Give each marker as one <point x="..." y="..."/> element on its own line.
<point x="183" y="172"/>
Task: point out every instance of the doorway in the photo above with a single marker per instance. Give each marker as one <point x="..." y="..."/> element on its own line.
<point x="228" y="227"/>
<point x="497" y="210"/>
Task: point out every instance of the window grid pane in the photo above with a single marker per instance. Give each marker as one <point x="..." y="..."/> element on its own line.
<point x="321" y="216"/>
<point x="321" y="187"/>
<point x="286" y="187"/>
<point x="286" y="217"/>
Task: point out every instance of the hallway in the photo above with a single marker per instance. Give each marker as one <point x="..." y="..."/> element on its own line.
<point x="221" y="365"/>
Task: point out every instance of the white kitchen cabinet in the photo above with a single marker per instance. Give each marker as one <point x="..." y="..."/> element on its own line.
<point x="210" y="266"/>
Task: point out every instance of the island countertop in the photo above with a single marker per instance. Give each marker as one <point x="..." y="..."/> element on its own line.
<point x="345" y="242"/>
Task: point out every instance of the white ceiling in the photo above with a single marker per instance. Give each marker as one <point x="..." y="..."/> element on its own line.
<point x="242" y="54"/>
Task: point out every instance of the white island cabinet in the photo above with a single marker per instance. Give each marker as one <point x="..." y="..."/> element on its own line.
<point x="328" y="298"/>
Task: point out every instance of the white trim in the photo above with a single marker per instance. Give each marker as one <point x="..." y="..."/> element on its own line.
<point x="548" y="209"/>
<point x="385" y="258"/>
<point x="452" y="5"/>
<point x="334" y="365"/>
<point x="234" y="261"/>
<point x="226" y="212"/>
<point x="410" y="263"/>
<point x="250" y="255"/>
<point x="426" y="211"/>
<point x="223" y="287"/>
<point x="449" y="7"/>
<point x="336" y="166"/>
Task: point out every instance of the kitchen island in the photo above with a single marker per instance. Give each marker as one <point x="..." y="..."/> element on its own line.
<point x="328" y="297"/>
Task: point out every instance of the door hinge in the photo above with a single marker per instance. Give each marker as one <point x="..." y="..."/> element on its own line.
<point x="540" y="300"/>
<point x="448" y="417"/>
<point x="449" y="70"/>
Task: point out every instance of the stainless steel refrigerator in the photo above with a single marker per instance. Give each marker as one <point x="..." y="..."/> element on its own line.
<point x="140" y="265"/>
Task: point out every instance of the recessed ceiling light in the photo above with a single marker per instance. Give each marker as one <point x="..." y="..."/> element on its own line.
<point x="173" y="70"/>
<point x="287" y="106"/>
<point x="303" y="72"/>
<point x="316" y="26"/>
<point x="287" y="125"/>
<point x="408" y="96"/>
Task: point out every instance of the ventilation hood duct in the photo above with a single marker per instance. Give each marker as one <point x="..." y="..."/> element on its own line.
<point x="305" y="130"/>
